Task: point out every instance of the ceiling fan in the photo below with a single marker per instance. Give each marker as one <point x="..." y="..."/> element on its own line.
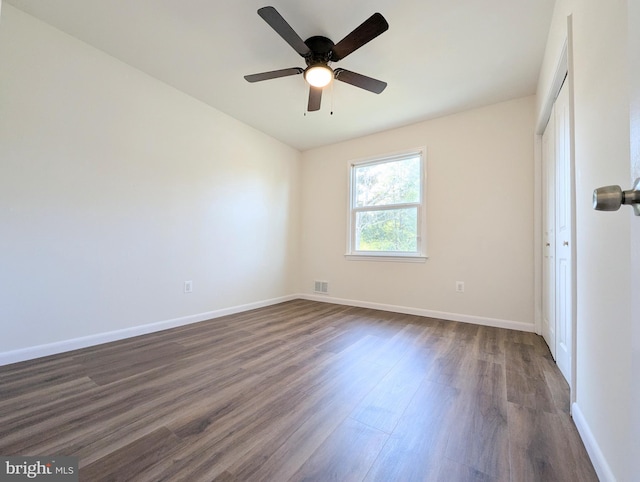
<point x="319" y="52"/>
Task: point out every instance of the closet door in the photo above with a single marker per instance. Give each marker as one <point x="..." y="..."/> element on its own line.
<point x="549" y="220"/>
<point x="557" y="269"/>
<point x="563" y="235"/>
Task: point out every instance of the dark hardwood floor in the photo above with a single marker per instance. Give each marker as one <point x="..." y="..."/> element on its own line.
<point x="301" y="391"/>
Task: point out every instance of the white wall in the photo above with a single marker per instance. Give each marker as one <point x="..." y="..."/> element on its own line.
<point x="116" y="188"/>
<point x="601" y="102"/>
<point x="479" y="218"/>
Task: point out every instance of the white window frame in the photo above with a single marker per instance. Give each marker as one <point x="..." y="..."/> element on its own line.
<point x="420" y="255"/>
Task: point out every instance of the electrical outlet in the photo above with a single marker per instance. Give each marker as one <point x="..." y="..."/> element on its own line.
<point x="188" y="286"/>
<point x="459" y="286"/>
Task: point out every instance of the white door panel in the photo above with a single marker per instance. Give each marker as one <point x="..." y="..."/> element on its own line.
<point x="557" y="266"/>
<point x="563" y="234"/>
<point x="549" y="243"/>
<point x="634" y="109"/>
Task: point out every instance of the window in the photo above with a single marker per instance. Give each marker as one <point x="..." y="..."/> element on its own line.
<point x="387" y="207"/>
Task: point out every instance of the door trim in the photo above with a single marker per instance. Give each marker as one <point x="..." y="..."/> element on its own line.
<point x="574" y="254"/>
<point x="562" y="70"/>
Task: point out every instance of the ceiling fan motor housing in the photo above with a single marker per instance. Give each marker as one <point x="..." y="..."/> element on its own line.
<point x="321" y="48"/>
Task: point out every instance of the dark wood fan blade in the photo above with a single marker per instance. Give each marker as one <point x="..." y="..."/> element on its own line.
<point x="273" y="74"/>
<point x="282" y="28"/>
<point x="359" y="80"/>
<point x="367" y="31"/>
<point x="315" y="96"/>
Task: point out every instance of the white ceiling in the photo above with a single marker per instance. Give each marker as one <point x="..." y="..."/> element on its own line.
<point x="438" y="56"/>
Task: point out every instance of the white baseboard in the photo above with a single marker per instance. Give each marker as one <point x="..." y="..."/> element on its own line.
<point x="476" y="320"/>
<point x="31" y="353"/>
<point x="39" y="351"/>
<point x="593" y="449"/>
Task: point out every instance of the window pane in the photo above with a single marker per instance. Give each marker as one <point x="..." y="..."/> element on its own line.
<point x="391" y="182"/>
<point x="388" y="230"/>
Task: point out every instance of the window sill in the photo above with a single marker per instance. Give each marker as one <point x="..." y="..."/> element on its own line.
<point x="399" y="258"/>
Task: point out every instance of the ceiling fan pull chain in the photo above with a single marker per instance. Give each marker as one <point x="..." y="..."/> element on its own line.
<point x="332" y="98"/>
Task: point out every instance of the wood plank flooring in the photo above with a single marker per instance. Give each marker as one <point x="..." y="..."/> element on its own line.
<point x="301" y="391"/>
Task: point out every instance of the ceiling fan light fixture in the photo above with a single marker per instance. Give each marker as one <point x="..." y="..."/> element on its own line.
<point x="318" y="75"/>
